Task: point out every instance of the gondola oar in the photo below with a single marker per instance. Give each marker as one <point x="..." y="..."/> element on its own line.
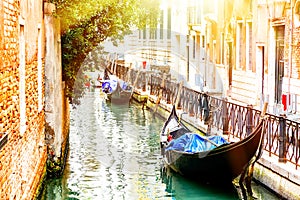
<point x="208" y="140"/>
<point x="205" y="138"/>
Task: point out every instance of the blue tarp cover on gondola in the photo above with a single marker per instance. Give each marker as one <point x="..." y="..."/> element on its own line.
<point x="193" y="143"/>
<point x="111" y="85"/>
<point x="124" y="85"/>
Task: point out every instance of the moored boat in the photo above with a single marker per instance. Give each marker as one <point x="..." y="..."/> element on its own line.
<point x="117" y="91"/>
<point x="211" y="159"/>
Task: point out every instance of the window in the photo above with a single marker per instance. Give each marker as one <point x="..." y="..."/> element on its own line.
<point x="214" y="51"/>
<point x="40" y="82"/>
<point x="1" y="30"/>
<point x="161" y="29"/>
<point x="249" y="45"/>
<point x="22" y="83"/>
<point x="153" y="33"/>
<point x="297" y="14"/>
<point x="203" y="41"/>
<point x="169" y="24"/>
<point x="144" y="33"/>
<point x="239" y="45"/>
<point x="191" y="15"/>
<point x="198" y="12"/>
<point x="197" y="50"/>
<point x="194" y="47"/>
<point x="222" y="49"/>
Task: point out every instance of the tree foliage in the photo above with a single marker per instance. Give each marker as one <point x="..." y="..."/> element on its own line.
<point x="87" y="23"/>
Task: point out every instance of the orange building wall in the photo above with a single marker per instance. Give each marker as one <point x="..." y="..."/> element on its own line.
<point x="23" y="157"/>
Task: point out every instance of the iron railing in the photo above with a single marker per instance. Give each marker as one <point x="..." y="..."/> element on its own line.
<point x="282" y="135"/>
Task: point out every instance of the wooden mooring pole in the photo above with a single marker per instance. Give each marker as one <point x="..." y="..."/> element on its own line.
<point x="178" y="95"/>
<point x="160" y="93"/>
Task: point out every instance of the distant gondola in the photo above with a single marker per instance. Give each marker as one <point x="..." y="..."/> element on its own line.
<point x="117" y="91"/>
<point x="210" y="159"/>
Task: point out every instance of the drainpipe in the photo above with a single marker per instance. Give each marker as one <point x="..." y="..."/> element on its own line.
<point x="188" y="55"/>
<point x="206" y="55"/>
<point x="290" y="50"/>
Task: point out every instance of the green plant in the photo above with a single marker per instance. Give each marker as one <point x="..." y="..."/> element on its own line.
<point x="87" y="23"/>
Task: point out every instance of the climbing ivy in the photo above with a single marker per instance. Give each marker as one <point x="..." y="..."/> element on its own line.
<point x="87" y="23"/>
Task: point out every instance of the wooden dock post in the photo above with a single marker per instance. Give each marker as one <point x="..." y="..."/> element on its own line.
<point x="178" y="95"/>
<point x="249" y="119"/>
<point x="282" y="138"/>
<point x="225" y="117"/>
<point x="115" y="65"/>
<point x="160" y="93"/>
<point x="136" y="78"/>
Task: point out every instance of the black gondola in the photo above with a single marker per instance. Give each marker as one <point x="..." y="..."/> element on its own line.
<point x="115" y="92"/>
<point x="120" y="95"/>
<point x="220" y="164"/>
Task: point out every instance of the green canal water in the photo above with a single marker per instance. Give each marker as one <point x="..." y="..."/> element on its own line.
<point x="114" y="154"/>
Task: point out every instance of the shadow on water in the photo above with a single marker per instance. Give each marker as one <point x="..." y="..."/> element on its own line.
<point x="181" y="188"/>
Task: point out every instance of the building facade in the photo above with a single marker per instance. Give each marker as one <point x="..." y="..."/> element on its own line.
<point x="259" y="43"/>
<point x="29" y="133"/>
<point x="23" y="157"/>
<point x="244" y="50"/>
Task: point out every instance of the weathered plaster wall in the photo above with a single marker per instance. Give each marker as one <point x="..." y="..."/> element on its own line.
<point x="56" y="105"/>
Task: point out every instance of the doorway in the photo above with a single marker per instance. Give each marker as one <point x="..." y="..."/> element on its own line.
<point x="279" y="62"/>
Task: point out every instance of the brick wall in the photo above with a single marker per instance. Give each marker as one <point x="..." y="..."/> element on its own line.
<point x="23" y="157"/>
<point x="296" y="52"/>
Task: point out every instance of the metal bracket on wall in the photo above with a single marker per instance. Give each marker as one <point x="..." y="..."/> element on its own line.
<point x="3" y="139"/>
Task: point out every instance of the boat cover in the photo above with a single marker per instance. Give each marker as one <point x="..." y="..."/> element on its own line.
<point x="193" y="143"/>
<point x="110" y="84"/>
<point x="124" y="85"/>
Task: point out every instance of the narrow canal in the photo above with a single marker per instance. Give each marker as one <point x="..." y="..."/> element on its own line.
<point x="114" y="154"/>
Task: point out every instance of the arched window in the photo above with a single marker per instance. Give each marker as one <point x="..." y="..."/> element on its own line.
<point x="297" y="14"/>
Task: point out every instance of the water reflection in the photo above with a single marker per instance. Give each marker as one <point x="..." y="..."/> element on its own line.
<point x="114" y="154"/>
<point x="181" y="188"/>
